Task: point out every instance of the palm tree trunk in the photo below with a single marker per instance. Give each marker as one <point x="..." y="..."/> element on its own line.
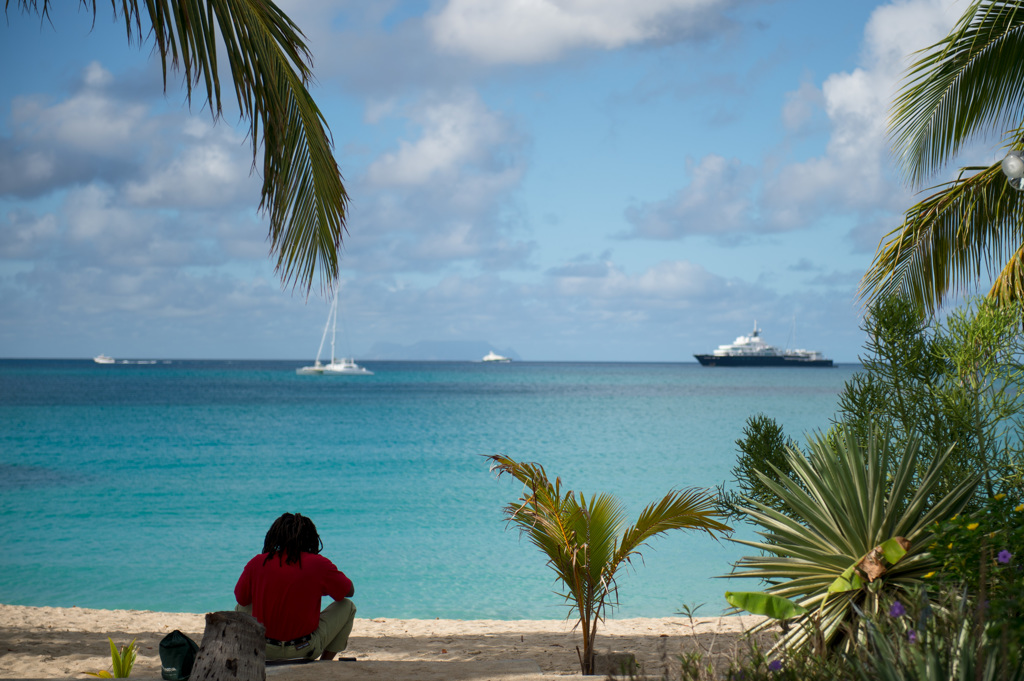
<point x="233" y="649"/>
<point x="588" y="625"/>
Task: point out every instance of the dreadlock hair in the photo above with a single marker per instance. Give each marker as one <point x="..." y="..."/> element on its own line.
<point x="289" y="536"/>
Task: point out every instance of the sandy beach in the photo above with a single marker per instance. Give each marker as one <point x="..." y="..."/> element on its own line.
<point x="40" y="643"/>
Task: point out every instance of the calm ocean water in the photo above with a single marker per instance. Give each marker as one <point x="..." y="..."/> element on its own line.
<point x="149" y="486"/>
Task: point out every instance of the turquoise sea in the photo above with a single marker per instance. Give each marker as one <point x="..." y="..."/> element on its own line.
<point x="148" y="486"/>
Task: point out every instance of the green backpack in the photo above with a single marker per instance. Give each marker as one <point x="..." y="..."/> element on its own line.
<point x="177" y="654"/>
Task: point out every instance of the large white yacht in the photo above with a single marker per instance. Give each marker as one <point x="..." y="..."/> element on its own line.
<point x="751" y="351"/>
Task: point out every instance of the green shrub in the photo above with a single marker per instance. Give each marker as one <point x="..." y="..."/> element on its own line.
<point x="762" y="452"/>
<point x="935" y="638"/>
<point x="983" y="553"/>
<point x="851" y="501"/>
<point x="959" y="381"/>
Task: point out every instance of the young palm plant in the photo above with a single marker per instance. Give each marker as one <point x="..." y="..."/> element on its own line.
<point x="121" y="661"/>
<point x="586" y="542"/>
<point x="849" y="507"/>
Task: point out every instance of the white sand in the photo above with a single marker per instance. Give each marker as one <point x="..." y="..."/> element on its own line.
<point x="42" y="643"/>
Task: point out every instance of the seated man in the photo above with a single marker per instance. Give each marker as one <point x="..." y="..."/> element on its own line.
<point x="282" y="587"/>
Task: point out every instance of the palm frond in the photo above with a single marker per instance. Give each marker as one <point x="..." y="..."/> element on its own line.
<point x="1008" y="286"/>
<point x="687" y="509"/>
<point x="949" y="239"/>
<point x="303" y="195"/>
<point x="971" y="81"/>
<point x="605" y="516"/>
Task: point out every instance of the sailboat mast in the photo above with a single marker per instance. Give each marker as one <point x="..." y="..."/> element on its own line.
<point x="323" y="338"/>
<point x="334" y="313"/>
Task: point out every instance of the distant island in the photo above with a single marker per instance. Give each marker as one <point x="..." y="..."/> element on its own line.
<point x="437" y="351"/>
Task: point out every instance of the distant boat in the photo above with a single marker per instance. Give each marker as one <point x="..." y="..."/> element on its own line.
<point x="103" y="359"/>
<point x="492" y="356"/>
<point x="314" y="370"/>
<point x="751" y="351"/>
<point x="346" y="366"/>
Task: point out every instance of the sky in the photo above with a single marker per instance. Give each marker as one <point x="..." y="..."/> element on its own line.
<point x="568" y="180"/>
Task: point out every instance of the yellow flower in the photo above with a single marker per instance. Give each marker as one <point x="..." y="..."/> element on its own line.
<point x="972" y="526"/>
<point x="950" y="545"/>
<point x="929" y="575"/>
<point x="1000" y="496"/>
<point x="1019" y="508"/>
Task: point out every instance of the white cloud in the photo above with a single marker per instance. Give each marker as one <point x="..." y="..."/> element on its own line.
<point x="457" y="241"/>
<point x="106" y="231"/>
<point x="379" y="109"/>
<point x="454" y="132"/>
<point x="26" y="172"/>
<point x="675" y="281"/>
<point x="211" y="170"/>
<point x="531" y="31"/>
<point x="92" y="134"/>
<point x="97" y="76"/>
<point x="89" y="121"/>
<point x="716" y="201"/>
<point x="679" y="283"/>
<point x="138" y="189"/>
<point x="445" y="195"/>
<point x="800" y="106"/>
<point x="93" y="216"/>
<point x="582" y="268"/>
<point x="27" y="236"/>
<point x="854" y="174"/>
<point x="855" y="171"/>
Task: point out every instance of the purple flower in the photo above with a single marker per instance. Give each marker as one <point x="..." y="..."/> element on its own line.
<point x="1004" y="556"/>
<point x="912" y="636"/>
<point x="897" y="610"/>
<point x="775" y="665"/>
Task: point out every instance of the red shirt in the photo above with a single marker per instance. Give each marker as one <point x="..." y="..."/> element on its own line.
<point x="285" y="597"/>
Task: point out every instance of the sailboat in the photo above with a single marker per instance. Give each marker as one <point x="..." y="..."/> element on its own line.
<point x="346" y="365"/>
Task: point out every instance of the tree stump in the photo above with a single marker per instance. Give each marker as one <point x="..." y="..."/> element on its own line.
<point x="233" y="649"/>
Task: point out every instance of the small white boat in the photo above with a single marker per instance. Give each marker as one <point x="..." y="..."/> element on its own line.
<point x="103" y="359"/>
<point x="492" y="356"/>
<point x="346" y="366"/>
<point x="335" y="367"/>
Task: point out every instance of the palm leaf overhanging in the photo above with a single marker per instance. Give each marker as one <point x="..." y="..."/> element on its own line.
<point x="971" y="83"/>
<point x="847" y="497"/>
<point x="269" y="64"/>
<point x="969" y="226"/>
<point x="586" y="541"/>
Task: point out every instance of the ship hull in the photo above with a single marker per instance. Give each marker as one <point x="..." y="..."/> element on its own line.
<point x="760" y="361"/>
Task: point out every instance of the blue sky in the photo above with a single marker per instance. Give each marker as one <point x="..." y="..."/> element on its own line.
<point x="591" y="180"/>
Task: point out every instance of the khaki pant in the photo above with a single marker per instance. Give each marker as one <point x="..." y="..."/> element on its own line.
<point x="332" y="634"/>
